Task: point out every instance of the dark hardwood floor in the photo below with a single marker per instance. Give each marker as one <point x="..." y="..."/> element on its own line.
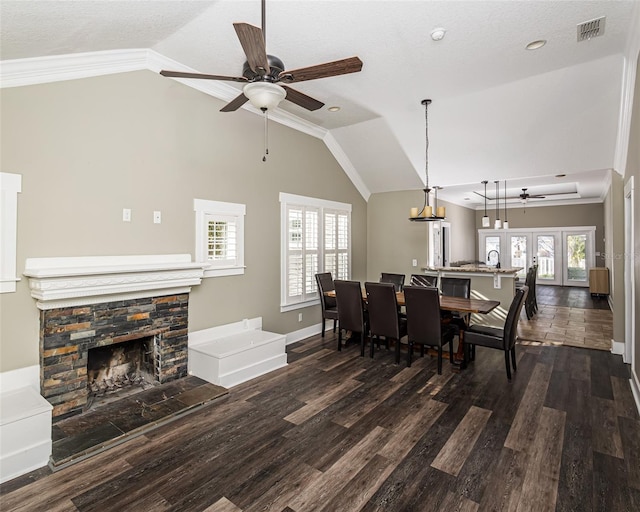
<point x="337" y="432"/>
<point x="571" y="297"/>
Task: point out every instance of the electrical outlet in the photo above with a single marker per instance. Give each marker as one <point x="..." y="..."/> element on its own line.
<point x="299" y="317"/>
<point x="157" y="217"/>
<point x="414" y="263"/>
<point x="126" y="215"/>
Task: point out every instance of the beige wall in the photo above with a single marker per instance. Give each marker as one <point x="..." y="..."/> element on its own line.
<point x="556" y="216"/>
<point x="633" y="169"/>
<point x="88" y="148"/>
<point x="614" y="248"/>
<point x="394" y="241"/>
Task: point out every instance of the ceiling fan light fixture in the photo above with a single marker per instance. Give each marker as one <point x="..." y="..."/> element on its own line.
<point x="485" y="219"/>
<point x="264" y="96"/>
<point x="498" y="223"/>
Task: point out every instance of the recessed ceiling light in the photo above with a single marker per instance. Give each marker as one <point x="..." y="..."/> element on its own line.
<point x="333" y="109"/>
<point x="437" y="34"/>
<point x="534" y="45"/>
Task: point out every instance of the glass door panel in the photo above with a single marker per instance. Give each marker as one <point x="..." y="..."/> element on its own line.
<point x="548" y="259"/>
<point x="519" y="253"/>
<point x="492" y="250"/>
<point x="577" y="258"/>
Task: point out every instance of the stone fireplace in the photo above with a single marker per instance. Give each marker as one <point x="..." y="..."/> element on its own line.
<point x="110" y="322"/>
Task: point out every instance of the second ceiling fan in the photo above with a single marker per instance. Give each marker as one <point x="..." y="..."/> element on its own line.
<point x="262" y="73"/>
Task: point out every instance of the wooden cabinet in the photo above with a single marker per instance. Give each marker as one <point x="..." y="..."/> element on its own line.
<point x="599" y="281"/>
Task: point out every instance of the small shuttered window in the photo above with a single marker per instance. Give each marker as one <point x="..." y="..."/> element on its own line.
<point x="220" y="237"/>
<point x="316" y="238"/>
<point x="222" y="240"/>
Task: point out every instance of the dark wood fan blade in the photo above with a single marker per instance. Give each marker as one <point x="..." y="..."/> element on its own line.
<point x="180" y="74"/>
<point x="252" y="43"/>
<point x="337" y="67"/>
<point x="302" y="99"/>
<point x="235" y="103"/>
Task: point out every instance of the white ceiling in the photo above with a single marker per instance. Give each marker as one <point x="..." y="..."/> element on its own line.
<point x="499" y="111"/>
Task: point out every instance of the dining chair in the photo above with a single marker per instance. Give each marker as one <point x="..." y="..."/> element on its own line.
<point x="424" y="326"/>
<point x="530" y="307"/>
<point x="423" y="280"/>
<point x="384" y="318"/>
<point x="328" y="304"/>
<point x="351" y="313"/>
<point x="532" y="288"/>
<point x="396" y="279"/>
<point x="500" y="338"/>
<point x="456" y="287"/>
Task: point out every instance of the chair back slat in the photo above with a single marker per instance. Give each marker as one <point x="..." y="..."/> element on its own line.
<point x="423" y="280"/>
<point x="325" y="284"/>
<point x="350" y="305"/>
<point x="396" y="279"/>
<point x="510" y="330"/>
<point x="382" y="306"/>
<point x="456" y="287"/>
<point x="423" y="314"/>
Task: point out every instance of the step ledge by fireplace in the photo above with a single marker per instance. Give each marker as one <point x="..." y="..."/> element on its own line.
<point x="72" y="281"/>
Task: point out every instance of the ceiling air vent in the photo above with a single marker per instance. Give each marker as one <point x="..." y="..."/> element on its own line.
<point x="590" y="29"/>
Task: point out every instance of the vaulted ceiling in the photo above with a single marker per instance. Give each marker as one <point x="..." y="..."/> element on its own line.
<point x="499" y="111"/>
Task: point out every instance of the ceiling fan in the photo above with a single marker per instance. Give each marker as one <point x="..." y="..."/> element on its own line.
<point x="523" y="196"/>
<point x="261" y="73"/>
<point x="526" y="196"/>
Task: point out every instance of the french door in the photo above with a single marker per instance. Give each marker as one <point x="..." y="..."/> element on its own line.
<point x="578" y="258"/>
<point x="563" y="255"/>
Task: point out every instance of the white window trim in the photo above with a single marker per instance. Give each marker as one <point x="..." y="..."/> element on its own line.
<point x="204" y="207"/>
<point x="10" y="186"/>
<point x="322" y="204"/>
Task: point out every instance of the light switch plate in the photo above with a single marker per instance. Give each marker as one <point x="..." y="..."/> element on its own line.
<point x="126" y="214"/>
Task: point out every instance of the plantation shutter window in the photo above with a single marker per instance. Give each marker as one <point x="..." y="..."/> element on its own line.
<point x="220" y="237"/>
<point x="315" y="238"/>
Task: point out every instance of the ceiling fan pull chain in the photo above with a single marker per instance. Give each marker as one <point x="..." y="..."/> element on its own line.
<point x="266" y="135"/>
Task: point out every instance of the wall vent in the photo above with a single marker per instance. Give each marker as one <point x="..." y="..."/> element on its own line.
<point x="590" y="29"/>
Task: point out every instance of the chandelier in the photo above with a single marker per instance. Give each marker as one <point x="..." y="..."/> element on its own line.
<point x="427" y="212"/>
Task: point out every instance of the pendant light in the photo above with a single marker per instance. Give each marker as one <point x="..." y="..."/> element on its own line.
<point x="497" y="224"/>
<point x="427" y="212"/>
<point x="505" y="225"/>
<point x="485" y="220"/>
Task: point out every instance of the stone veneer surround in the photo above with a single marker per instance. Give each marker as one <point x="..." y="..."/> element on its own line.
<point x="67" y="335"/>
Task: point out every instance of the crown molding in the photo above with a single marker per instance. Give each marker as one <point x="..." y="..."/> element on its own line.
<point x="57" y="68"/>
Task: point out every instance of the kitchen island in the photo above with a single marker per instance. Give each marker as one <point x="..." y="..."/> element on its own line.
<point x="489" y="283"/>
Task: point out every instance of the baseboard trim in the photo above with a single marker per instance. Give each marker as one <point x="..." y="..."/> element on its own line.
<point x="617" y="347"/>
<point x="635" y="389"/>
<point x="302" y="334"/>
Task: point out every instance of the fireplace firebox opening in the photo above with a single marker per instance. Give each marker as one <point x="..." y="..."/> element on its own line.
<point x="114" y="369"/>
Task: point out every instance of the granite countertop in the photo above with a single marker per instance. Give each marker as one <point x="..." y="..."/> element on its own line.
<point x="475" y="268"/>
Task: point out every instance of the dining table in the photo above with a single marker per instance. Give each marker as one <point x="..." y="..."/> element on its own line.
<point x="449" y="303"/>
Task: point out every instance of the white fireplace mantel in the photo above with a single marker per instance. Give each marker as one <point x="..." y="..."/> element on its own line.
<point x="74" y="281"/>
